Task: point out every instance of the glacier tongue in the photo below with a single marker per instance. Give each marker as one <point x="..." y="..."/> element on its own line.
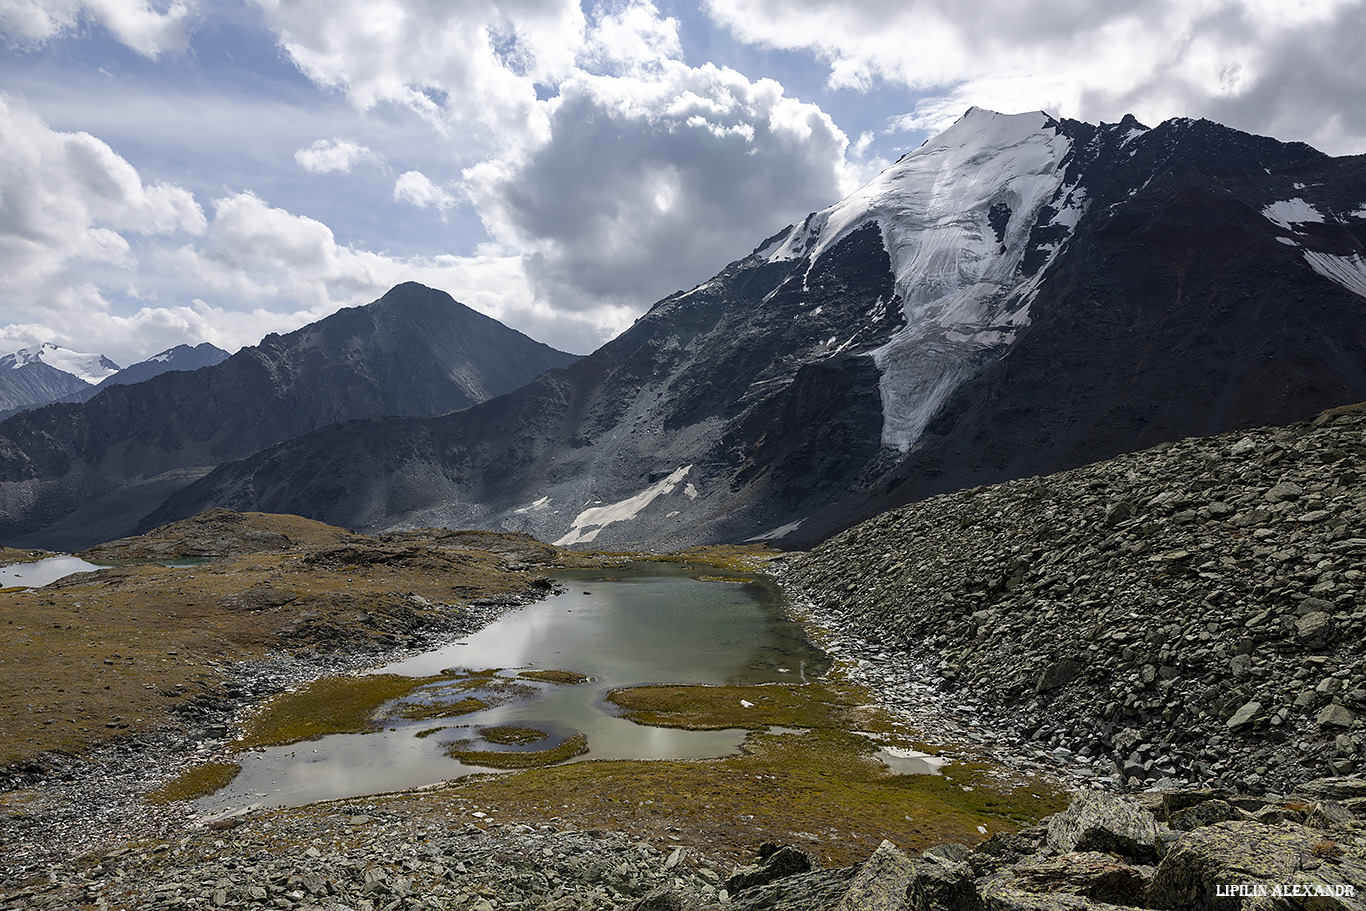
<point x="956" y="217"/>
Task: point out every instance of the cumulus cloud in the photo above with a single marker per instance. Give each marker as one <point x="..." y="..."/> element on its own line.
<point x="71" y="207"/>
<point x="631" y="40"/>
<point x="417" y="189"/>
<point x="474" y="62"/>
<point x="334" y="155"/>
<point x="651" y="185"/>
<point x="147" y="30"/>
<point x="1242" y="62"/>
<point x="97" y="259"/>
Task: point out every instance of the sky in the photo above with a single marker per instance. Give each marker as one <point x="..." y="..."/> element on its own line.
<point x="181" y="171"/>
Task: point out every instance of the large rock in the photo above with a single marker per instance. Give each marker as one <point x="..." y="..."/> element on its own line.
<point x="885" y="882"/>
<point x="1106" y="823"/>
<point x="1346" y="787"/>
<point x="947" y="881"/>
<point x="1249" y="854"/>
<point x="1000" y="894"/>
<point x="775" y="864"/>
<point x="1089" y="874"/>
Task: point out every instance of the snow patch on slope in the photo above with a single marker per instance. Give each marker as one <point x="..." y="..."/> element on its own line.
<point x="590" y="522"/>
<point x="1348" y="271"/>
<point x="957" y="271"/>
<point x="1290" y="212"/>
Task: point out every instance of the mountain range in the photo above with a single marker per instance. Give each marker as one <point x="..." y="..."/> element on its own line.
<point x="74" y="474"/>
<point x="1018" y="296"/>
<point x="46" y="373"/>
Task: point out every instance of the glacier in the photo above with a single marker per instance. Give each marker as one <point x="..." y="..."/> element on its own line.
<point x="956" y="217"/>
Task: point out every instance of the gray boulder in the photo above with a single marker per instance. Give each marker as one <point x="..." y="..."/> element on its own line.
<point x="885" y="882"/>
<point x="1255" y="855"/>
<point x="1107" y="823"/>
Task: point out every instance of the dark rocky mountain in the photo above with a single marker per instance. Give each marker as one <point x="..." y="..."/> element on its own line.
<point x="1019" y="296"/>
<point x="181" y="357"/>
<point x="35" y="384"/>
<point x="72" y="475"/>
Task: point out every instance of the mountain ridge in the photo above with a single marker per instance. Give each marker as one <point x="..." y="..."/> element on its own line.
<point x="73" y="474"/>
<point x="953" y="300"/>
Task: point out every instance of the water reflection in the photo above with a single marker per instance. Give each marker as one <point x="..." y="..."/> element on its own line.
<point x="655" y="625"/>
<point x="41" y="572"/>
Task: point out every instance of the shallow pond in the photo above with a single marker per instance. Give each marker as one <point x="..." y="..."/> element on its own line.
<point x="41" y="572"/>
<point x="651" y="625"/>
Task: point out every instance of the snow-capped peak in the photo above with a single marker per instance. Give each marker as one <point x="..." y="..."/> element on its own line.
<point x="88" y="367"/>
<point x="956" y="217"/>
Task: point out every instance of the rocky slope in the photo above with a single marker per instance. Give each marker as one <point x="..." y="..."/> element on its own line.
<point x="1192" y="612"/>
<point x="1019" y="296"/>
<point x="72" y="475"/>
<point x="1182" y="849"/>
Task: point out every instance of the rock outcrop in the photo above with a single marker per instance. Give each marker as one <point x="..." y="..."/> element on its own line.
<point x="1282" y="852"/>
<point x="1192" y="613"/>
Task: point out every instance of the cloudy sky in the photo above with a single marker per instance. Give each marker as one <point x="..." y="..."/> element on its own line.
<point x="184" y="170"/>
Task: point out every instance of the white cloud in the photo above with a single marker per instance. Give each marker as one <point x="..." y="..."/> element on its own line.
<point x="70" y="208"/>
<point x="334" y="155"/>
<point x="649" y="185"/>
<point x="96" y="259"/>
<point x="145" y="29"/>
<point x="474" y="62"/>
<point x="1242" y="62"/>
<point x="417" y="188"/>
<point x="632" y="39"/>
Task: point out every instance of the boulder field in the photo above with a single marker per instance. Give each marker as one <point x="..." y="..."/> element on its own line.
<point x="1189" y="615"/>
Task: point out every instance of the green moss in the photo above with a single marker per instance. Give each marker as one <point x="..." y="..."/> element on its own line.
<point x="420" y="735"/>
<point x="716" y="707"/>
<point x="563" y="677"/>
<point x="497" y="759"/>
<point x="422" y="711"/>
<point x="512" y="735"/>
<point x="331" y="705"/>
<point x="197" y="782"/>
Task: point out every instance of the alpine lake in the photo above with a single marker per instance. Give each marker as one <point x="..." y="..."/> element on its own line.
<point x="669" y="685"/>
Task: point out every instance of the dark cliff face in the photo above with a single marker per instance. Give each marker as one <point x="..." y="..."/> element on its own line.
<point x="415" y="351"/>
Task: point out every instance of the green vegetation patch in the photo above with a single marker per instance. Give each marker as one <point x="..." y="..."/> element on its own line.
<point x="421" y="711"/>
<point x="512" y="735"/>
<point x="806" y="705"/>
<point x="564" y="677"/>
<point x="498" y="759"/>
<point x="821" y="789"/>
<point x="331" y="705"/>
<point x="200" y="781"/>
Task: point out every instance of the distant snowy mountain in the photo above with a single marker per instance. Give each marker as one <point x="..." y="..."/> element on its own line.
<point x="31" y="377"/>
<point x="181" y="357"/>
<point x="89" y="368"/>
<point x="1018" y="296"/>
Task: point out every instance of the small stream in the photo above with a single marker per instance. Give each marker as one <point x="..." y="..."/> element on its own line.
<point x="657" y="624"/>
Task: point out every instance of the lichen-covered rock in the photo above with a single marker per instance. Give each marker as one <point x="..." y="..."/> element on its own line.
<point x="1001" y="894"/>
<point x="1233" y="854"/>
<point x="1086" y="873"/>
<point x="885" y="882"/>
<point x="1339" y="788"/>
<point x="946" y="883"/>
<point x="1106" y="823"/>
<point x="1204" y="814"/>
